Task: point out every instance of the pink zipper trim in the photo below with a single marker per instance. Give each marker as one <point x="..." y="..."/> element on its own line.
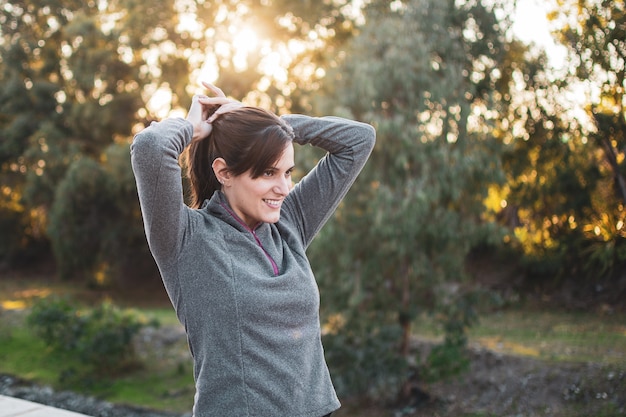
<point x="258" y="241"/>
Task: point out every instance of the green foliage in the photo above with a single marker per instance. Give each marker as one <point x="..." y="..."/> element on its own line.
<point x="364" y="360"/>
<point x="76" y="78"/>
<point x="604" y="258"/>
<point x="67" y="88"/>
<point x="158" y="378"/>
<point x="445" y="360"/>
<point x="51" y="319"/>
<point x="566" y="180"/>
<point x="439" y="81"/>
<point x="95" y="231"/>
<point x="399" y="243"/>
<point x="456" y="314"/>
<point x="77" y="227"/>
<point x="12" y="221"/>
<point x="100" y="338"/>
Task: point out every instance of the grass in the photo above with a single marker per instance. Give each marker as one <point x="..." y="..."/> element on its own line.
<point x="167" y="384"/>
<point x="560" y="336"/>
<point x="547" y="335"/>
<point x="160" y="383"/>
<point x="24" y="355"/>
<point x="166" y="390"/>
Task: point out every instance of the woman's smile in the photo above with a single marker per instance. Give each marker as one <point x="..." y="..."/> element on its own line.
<point x="273" y="203"/>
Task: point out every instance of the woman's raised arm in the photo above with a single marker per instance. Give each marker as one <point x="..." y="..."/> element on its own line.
<point x="154" y="157"/>
<point x="349" y="144"/>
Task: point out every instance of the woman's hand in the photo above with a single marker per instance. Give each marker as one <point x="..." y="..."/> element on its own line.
<point x="224" y="105"/>
<point x="204" y="110"/>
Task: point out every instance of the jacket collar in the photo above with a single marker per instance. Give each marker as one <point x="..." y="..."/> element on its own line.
<point x="218" y="207"/>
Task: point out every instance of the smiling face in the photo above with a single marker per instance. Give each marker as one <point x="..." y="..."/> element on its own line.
<point x="259" y="199"/>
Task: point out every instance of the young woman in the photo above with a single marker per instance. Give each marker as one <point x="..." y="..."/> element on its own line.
<point x="234" y="264"/>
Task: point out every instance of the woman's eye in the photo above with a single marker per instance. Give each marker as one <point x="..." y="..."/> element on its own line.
<point x="268" y="173"/>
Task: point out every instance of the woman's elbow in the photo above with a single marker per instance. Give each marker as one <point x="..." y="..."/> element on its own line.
<point x="142" y="148"/>
<point x="141" y="139"/>
<point x="369" y="135"/>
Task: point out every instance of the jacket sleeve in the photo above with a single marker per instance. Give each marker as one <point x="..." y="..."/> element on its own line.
<point x="154" y="157"/>
<point x="348" y="144"/>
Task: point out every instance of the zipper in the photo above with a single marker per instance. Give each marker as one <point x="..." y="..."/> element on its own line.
<point x="256" y="238"/>
<point x="274" y="266"/>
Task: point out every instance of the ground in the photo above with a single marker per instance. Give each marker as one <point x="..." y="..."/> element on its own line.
<point x="504" y="385"/>
<point x="496" y="385"/>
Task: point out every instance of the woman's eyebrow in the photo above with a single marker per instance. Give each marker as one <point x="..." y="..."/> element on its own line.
<point x="274" y="168"/>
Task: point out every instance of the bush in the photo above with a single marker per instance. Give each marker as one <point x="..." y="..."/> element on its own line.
<point x="446" y="360"/>
<point x="100" y="339"/>
<point x="95" y="224"/>
<point x="364" y="361"/>
<point x="81" y="217"/>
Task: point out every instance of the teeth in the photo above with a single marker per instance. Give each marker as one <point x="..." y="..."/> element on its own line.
<point x="273" y="202"/>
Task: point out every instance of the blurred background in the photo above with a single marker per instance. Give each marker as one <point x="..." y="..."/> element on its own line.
<point x="490" y="217"/>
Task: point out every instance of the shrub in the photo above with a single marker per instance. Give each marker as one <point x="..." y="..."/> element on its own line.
<point x="81" y="214"/>
<point x="100" y="339"/>
<point x="364" y="361"/>
<point x="95" y="225"/>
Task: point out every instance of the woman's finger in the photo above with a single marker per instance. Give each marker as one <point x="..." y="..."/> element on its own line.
<point x="225" y="108"/>
<point x="215" y="101"/>
<point x="197" y="116"/>
<point x="196" y="109"/>
<point x="216" y="90"/>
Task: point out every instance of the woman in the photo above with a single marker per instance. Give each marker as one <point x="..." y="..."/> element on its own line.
<point x="234" y="264"/>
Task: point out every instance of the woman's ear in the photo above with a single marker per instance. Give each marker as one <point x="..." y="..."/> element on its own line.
<point x="220" y="169"/>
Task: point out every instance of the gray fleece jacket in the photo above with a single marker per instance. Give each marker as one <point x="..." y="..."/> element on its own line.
<point x="248" y="298"/>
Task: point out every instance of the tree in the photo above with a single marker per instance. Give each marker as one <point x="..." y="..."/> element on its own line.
<point x="595" y="34"/>
<point x="77" y="77"/>
<point x="551" y="176"/>
<point x="71" y="84"/>
<point x="423" y="73"/>
<point x="100" y="198"/>
<point x="566" y="170"/>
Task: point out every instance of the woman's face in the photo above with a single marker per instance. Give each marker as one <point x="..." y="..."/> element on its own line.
<point x="259" y="199"/>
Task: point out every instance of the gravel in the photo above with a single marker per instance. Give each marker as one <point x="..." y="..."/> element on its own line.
<point x="12" y="386"/>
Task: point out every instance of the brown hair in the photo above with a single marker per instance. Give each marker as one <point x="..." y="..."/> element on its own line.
<point x="247" y="138"/>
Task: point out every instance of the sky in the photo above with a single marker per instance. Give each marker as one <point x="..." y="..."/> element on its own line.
<point x="531" y="25"/>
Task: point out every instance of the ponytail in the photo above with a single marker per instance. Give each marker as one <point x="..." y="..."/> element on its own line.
<point x="200" y="172"/>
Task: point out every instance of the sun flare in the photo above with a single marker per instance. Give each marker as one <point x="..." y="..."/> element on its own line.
<point x="245" y="39"/>
<point x="232" y="41"/>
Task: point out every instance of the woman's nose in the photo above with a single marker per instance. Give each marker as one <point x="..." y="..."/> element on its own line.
<point x="283" y="185"/>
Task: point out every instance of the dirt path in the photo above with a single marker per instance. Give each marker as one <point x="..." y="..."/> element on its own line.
<point x="502" y="385"/>
<point x="496" y="385"/>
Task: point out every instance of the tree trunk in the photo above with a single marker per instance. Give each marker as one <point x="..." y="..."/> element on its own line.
<point x="611" y="156"/>
<point x="405" y="316"/>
